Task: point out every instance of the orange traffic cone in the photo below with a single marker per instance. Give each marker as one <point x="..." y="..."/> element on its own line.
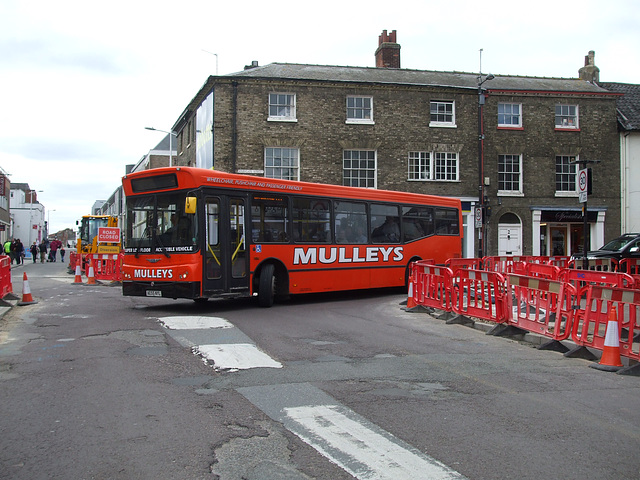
<point x="78" y="278"/>
<point x="27" y="299"/>
<point x="91" y="276"/>
<point x="610" y="360"/>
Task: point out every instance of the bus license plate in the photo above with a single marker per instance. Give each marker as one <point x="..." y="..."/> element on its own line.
<point x="154" y="293"/>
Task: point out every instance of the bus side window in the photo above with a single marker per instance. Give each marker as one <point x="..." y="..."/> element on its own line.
<point x="311" y="220"/>
<point x="350" y="222"/>
<point x="417" y="222"/>
<point x="447" y="221"/>
<point x="269" y="220"/>
<point x="385" y="224"/>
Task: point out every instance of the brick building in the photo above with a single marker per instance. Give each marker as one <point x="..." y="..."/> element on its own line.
<point x="509" y="144"/>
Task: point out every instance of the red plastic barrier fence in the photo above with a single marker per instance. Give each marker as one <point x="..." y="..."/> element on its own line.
<point x="599" y="264"/>
<point x="630" y="266"/>
<point x="106" y="266"/>
<point x="480" y="294"/>
<point x="5" y="276"/>
<point x="591" y="330"/>
<point x="541" y="270"/>
<point x="558" y="261"/>
<point x="501" y="264"/>
<point x="431" y="285"/>
<point x="541" y="306"/>
<point x="466" y="263"/>
<point x="581" y="279"/>
<point x="73" y="261"/>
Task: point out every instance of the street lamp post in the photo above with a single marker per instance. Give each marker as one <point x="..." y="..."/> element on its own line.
<point x="481" y="101"/>
<point x="171" y="134"/>
<point x="216" y="55"/>
<point x="49" y="221"/>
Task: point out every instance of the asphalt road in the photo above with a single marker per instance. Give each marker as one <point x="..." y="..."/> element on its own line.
<point x="94" y="385"/>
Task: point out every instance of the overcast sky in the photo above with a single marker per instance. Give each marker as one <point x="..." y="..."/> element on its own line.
<point x="81" y="79"/>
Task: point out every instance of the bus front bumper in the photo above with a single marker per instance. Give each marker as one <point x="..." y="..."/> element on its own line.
<point x="161" y="289"/>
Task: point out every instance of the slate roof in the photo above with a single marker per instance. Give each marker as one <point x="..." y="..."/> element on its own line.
<point x="415" y="77"/>
<point x="628" y="105"/>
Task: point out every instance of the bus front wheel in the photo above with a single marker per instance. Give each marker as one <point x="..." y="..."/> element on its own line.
<point x="267" y="286"/>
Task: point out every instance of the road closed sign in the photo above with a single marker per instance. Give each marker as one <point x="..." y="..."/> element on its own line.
<point x="108" y="235"/>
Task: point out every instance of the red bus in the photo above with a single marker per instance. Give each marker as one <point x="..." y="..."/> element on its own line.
<point x="199" y="234"/>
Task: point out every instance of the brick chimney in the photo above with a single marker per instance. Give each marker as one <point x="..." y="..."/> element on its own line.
<point x="590" y="72"/>
<point x="388" y="52"/>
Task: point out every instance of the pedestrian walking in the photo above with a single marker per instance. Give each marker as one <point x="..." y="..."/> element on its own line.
<point x="18" y="250"/>
<point x="53" y="250"/>
<point x="6" y="248"/>
<point x="62" y="252"/>
<point x="34" y="252"/>
<point x="43" y="251"/>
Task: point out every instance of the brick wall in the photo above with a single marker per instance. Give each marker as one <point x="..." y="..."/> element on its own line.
<point x="401" y="116"/>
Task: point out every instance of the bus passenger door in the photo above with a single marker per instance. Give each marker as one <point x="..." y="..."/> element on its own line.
<point x="238" y="259"/>
<point x="225" y="256"/>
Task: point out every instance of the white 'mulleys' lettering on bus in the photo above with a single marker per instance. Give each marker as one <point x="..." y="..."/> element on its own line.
<point x="153" y="273"/>
<point x="312" y="255"/>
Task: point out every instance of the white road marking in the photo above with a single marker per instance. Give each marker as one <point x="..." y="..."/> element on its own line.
<point x="364" y="452"/>
<point x="193" y="322"/>
<point x="237" y="356"/>
<point x="347" y="439"/>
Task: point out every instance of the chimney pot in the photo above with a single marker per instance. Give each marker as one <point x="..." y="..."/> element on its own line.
<point x="388" y="52"/>
<point x="590" y="72"/>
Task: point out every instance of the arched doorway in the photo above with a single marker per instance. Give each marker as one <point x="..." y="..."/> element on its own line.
<point x="509" y="235"/>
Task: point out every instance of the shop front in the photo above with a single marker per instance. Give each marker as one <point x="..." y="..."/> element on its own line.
<point x="561" y="231"/>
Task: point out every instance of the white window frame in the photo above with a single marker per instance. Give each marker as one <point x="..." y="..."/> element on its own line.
<point x="517" y="192"/>
<point x="366" y="181"/>
<point x="363" y="108"/>
<point x="433" y="166"/>
<point x="275" y="155"/>
<point x="510" y="115"/>
<point x="573" y="167"/>
<point x="438" y="104"/>
<point x="289" y="107"/>
<point x="567" y="118"/>
<point x="445" y="160"/>
<point x="419" y="166"/>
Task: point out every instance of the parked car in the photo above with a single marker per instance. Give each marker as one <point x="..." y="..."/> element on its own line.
<point x="625" y="246"/>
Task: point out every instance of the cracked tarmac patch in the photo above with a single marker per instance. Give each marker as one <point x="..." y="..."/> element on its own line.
<point x="264" y="456"/>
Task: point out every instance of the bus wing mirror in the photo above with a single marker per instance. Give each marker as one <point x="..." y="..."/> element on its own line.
<point x="190" y="205"/>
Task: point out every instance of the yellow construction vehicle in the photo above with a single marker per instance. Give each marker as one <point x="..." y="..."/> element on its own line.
<point x="99" y="234"/>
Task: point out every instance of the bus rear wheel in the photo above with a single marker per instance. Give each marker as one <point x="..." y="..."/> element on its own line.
<point x="267" y="286"/>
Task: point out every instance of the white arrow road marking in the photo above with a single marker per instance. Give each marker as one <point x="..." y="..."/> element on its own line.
<point x="189" y="323"/>
<point x="347" y="439"/>
<point x="360" y="450"/>
<point x="236" y="356"/>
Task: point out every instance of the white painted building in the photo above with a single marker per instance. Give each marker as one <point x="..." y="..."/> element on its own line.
<point x="628" y="110"/>
<point x="27" y="215"/>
